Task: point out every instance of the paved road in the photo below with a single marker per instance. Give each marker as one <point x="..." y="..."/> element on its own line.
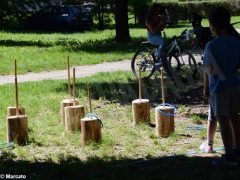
<point x="81" y="71"/>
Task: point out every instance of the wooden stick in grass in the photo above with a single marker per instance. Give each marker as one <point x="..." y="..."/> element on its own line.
<point x="16" y="89"/>
<point x="74" y="88"/>
<point x="89" y="98"/>
<point x="139" y="83"/>
<point x="162" y="85"/>
<point x="69" y="80"/>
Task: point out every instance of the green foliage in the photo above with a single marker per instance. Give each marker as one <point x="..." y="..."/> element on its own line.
<point x="196" y="119"/>
<point x="14" y="12"/>
<point x="182" y="109"/>
<point x="182" y="9"/>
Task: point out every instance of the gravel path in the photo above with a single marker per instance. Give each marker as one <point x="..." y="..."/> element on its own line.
<point x="81" y="71"/>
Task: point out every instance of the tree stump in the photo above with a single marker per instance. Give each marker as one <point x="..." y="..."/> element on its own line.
<point x="141" y="111"/>
<point x="73" y="116"/>
<point x="90" y="130"/>
<point x="164" y="122"/>
<point x="65" y="103"/>
<point x="17" y="129"/>
<point x="11" y="111"/>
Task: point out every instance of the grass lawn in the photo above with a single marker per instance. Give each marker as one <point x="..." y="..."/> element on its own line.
<point x="41" y="51"/>
<point x="127" y="151"/>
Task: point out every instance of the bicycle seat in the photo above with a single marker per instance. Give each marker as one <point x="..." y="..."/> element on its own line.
<point x="149" y="44"/>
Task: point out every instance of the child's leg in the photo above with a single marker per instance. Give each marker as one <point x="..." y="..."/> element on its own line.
<point x="158" y="41"/>
<point x="212" y="126"/>
<point x="226" y="133"/>
<point x="161" y="49"/>
<point x="235" y="120"/>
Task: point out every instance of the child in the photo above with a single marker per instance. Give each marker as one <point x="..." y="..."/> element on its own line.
<point x="221" y="60"/>
<point x="155" y="24"/>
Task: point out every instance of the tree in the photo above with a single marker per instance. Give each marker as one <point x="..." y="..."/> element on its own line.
<point x="121" y="19"/>
<point x="140" y="9"/>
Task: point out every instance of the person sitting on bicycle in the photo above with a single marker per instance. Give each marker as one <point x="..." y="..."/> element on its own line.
<point x="155" y="24"/>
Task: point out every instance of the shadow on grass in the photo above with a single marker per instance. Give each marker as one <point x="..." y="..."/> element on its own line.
<point x="173" y="167"/>
<point x="125" y="93"/>
<point x="98" y="46"/>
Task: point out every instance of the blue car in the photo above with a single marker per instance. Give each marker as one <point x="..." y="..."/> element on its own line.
<point x="64" y="17"/>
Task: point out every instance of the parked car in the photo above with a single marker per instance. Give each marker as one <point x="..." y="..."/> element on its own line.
<point x="63" y="17"/>
<point x="89" y="7"/>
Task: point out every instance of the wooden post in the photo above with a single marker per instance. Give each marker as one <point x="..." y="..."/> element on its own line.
<point x="141" y="111"/>
<point x="69" y="78"/>
<point x="17" y="125"/>
<point x="73" y="114"/>
<point x="164" y="115"/>
<point x="90" y="130"/>
<point x="90" y="126"/>
<point x="17" y="129"/>
<point x="16" y="88"/>
<point x="90" y="98"/>
<point x="66" y="103"/>
<point x="11" y="111"/>
<point x="140" y="107"/>
<point x="70" y="101"/>
<point x="139" y="83"/>
<point x="162" y="85"/>
<point x="164" y="122"/>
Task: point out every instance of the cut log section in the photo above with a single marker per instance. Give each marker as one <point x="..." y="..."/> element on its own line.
<point x="73" y="116"/>
<point x="65" y="103"/>
<point x="164" y="122"/>
<point x="141" y="111"/>
<point x="17" y="129"/>
<point x="90" y="130"/>
<point x="11" y="111"/>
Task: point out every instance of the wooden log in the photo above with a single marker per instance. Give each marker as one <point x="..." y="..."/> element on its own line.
<point x="90" y="130"/>
<point x="65" y="103"/>
<point x="73" y="116"/>
<point x="17" y="129"/>
<point x="141" y="111"/>
<point x="164" y="123"/>
<point x="11" y="111"/>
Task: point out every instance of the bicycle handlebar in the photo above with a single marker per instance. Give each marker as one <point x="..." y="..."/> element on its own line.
<point x="180" y="36"/>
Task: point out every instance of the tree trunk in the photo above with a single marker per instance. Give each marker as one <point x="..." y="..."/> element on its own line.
<point x="100" y="12"/>
<point x="121" y="19"/>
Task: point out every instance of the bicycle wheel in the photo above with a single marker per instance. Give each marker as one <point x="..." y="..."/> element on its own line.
<point x="172" y="67"/>
<point x="145" y="59"/>
<point x="188" y="64"/>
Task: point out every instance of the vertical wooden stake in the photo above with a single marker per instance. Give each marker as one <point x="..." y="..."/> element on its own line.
<point x="139" y="83"/>
<point x="162" y="85"/>
<point x="89" y="98"/>
<point x="74" y="88"/>
<point x="69" y="80"/>
<point x="16" y="89"/>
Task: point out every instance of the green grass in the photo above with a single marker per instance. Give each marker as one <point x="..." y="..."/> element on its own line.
<point x="52" y="152"/>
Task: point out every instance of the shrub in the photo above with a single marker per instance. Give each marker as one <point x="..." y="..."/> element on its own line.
<point x="182" y="9"/>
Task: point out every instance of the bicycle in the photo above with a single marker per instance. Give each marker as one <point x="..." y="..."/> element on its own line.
<point x="174" y="59"/>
